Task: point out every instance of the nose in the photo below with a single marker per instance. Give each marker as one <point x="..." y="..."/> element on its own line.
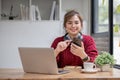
<point x="73" y="25"/>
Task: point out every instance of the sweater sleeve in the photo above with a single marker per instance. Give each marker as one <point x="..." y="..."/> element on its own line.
<point x="90" y="48"/>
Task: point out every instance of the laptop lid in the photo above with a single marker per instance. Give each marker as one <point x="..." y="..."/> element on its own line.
<point x="38" y="60"/>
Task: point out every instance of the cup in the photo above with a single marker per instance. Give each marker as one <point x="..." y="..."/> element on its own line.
<point x="89" y="66"/>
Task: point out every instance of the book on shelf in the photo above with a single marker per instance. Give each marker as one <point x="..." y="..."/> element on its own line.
<point x="35" y="13"/>
<point x="22" y="15"/>
<point x="52" y="15"/>
<point x="32" y="13"/>
<point x="57" y="12"/>
<point x="24" y="12"/>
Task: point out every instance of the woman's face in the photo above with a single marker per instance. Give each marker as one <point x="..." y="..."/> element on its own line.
<point x="73" y="26"/>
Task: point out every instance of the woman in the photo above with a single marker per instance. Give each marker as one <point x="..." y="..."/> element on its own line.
<point x="69" y="54"/>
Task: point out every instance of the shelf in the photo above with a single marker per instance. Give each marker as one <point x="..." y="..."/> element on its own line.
<point x="37" y="10"/>
<point x="29" y="10"/>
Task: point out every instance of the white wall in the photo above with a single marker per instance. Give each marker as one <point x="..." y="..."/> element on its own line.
<point x="87" y="16"/>
<point x="21" y="34"/>
<point x="25" y="34"/>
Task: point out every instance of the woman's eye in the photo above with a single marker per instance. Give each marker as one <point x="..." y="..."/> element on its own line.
<point x="76" y="22"/>
<point x="69" y="23"/>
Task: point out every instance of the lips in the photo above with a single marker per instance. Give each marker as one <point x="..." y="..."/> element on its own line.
<point x="73" y="30"/>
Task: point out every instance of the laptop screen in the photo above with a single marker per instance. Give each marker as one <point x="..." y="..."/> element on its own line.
<point x="38" y="60"/>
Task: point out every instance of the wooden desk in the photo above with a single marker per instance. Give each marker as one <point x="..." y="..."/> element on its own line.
<point x="18" y="74"/>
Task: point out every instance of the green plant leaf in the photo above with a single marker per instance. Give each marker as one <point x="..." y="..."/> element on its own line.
<point x="104" y="58"/>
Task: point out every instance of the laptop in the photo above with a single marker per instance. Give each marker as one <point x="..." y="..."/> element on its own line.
<point x="39" y="60"/>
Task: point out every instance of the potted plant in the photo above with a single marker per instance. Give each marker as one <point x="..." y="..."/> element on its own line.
<point x="105" y="61"/>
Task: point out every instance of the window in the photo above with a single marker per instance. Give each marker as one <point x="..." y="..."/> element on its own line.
<point x="100" y="11"/>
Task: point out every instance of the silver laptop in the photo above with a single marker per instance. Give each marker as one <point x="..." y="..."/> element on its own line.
<point x="39" y="60"/>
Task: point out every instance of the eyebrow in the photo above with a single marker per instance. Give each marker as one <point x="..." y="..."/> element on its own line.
<point x="74" y="21"/>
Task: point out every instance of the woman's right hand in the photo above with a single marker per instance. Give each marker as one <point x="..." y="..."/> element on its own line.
<point x="62" y="46"/>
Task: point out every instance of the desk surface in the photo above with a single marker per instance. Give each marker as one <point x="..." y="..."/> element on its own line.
<point x="18" y="74"/>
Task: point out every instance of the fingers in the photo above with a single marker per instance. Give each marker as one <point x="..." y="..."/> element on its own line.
<point x="67" y="41"/>
<point x="74" y="47"/>
<point x="82" y="45"/>
<point x="63" y="45"/>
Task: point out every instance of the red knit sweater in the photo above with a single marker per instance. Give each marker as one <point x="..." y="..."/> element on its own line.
<point x="66" y="58"/>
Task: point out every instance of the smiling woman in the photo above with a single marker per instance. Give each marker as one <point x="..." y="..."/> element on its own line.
<point x="69" y="54"/>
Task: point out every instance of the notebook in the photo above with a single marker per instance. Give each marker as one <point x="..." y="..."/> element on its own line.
<point x="39" y="60"/>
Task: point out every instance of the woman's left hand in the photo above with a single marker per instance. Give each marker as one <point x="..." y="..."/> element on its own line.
<point x="78" y="51"/>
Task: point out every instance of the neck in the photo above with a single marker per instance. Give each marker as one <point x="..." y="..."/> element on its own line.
<point x="72" y="36"/>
